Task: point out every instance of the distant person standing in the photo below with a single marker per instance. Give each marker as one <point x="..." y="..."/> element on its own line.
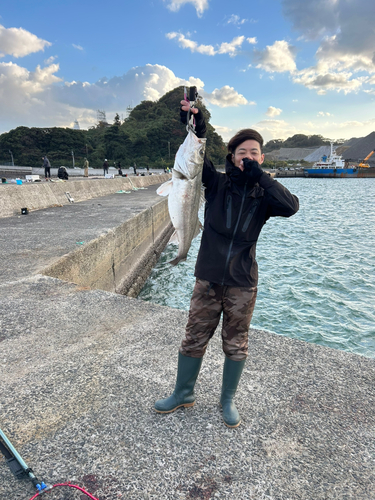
<point x="119" y="168"/>
<point x="135" y="168"/>
<point x="105" y="166"/>
<point x="86" y="168"/>
<point x="47" y="167"/>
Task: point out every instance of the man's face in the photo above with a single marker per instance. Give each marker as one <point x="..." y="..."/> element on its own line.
<point x="248" y="149"/>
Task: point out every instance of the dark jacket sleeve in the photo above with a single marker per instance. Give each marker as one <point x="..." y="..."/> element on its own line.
<point x="210" y="177"/>
<point x="280" y="200"/>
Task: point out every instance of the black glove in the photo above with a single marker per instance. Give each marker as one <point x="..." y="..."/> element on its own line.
<point x="200" y="124"/>
<point x="252" y="170"/>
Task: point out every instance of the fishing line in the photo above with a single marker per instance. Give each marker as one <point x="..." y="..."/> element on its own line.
<point x="49" y="488"/>
<point x="20" y="469"/>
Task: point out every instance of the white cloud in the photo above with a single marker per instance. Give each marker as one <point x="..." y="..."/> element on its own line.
<point x="236" y="20"/>
<point x="331" y="55"/>
<point x="225" y="132"/>
<point x="272" y="111"/>
<point x="50" y="60"/>
<point x="346" y="31"/>
<point x="351" y="124"/>
<point x="321" y="81"/>
<point x="200" y="5"/>
<point x="16" y="80"/>
<point x="252" y="40"/>
<point x="226" y="97"/>
<point x="209" y="50"/>
<point x="25" y="97"/>
<point x="276" y="129"/>
<point x="39" y="98"/>
<point x="324" y="113"/>
<point x="185" y="43"/>
<point x="18" y="42"/>
<point x="78" y="47"/>
<point x="231" y="47"/>
<point x="278" y="57"/>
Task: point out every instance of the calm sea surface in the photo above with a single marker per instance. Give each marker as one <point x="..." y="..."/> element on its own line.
<point x="316" y="269"/>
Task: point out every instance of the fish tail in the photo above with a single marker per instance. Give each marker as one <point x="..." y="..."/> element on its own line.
<point x="175" y="261"/>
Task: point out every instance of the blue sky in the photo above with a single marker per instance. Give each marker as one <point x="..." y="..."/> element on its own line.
<point x="280" y="66"/>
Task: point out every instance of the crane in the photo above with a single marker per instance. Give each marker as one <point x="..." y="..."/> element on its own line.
<point x="366" y="165"/>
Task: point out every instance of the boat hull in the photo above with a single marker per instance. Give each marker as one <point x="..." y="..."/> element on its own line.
<point x="339" y="173"/>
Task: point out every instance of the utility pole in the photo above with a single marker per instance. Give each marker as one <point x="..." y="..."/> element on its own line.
<point x="11" y="155"/>
<point x="73" y="157"/>
<point x="169" y="149"/>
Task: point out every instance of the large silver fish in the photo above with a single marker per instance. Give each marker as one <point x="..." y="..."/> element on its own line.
<point x="185" y="193"/>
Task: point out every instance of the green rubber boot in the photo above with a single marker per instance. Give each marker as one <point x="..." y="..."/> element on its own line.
<point x="183" y="394"/>
<point x="231" y="376"/>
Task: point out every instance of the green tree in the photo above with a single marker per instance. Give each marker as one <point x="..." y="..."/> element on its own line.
<point x="117" y="120"/>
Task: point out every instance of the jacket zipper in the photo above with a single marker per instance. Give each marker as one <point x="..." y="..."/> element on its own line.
<point x="229" y="211"/>
<point x="250" y="216"/>
<point x="234" y="234"/>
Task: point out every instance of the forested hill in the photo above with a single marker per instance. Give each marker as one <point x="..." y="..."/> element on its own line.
<point x="150" y="136"/>
<point x="296" y="141"/>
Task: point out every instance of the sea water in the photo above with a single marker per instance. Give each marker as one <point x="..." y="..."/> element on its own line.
<point x="316" y="269"/>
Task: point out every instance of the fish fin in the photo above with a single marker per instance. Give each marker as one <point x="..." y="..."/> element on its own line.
<point x="174" y="239"/>
<point x="165" y="188"/>
<point x="175" y="261"/>
<point x="202" y="200"/>
<point x="179" y="175"/>
<point x="197" y="229"/>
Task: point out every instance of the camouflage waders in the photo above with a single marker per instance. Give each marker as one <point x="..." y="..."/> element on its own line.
<point x="208" y="301"/>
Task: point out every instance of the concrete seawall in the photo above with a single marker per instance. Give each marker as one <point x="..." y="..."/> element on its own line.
<point x="121" y="259"/>
<point x="36" y="196"/>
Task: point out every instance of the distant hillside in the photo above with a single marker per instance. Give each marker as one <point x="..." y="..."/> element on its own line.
<point x="150" y="136"/>
<point x="361" y="148"/>
<point x="28" y="145"/>
<point x="296" y="141"/>
<point x="352" y="141"/>
<point x="151" y="125"/>
<point x="354" y="149"/>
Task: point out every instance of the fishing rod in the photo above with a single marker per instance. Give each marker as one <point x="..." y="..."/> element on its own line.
<point x="20" y="469"/>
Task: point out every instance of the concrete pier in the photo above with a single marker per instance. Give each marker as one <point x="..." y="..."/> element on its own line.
<point x="81" y="368"/>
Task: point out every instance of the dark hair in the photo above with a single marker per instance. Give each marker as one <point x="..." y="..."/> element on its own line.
<point x="242" y="136"/>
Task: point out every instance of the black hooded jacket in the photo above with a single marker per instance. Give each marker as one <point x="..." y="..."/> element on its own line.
<point x="235" y="213"/>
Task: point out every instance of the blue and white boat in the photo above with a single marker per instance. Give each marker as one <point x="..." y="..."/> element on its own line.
<point x="333" y="166"/>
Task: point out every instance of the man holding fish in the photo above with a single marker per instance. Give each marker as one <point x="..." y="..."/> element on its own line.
<point x="238" y="204"/>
